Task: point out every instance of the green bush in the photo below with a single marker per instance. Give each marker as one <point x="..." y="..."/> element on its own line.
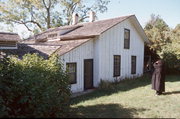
<point x="171" y="56"/>
<point x="33" y="87"/>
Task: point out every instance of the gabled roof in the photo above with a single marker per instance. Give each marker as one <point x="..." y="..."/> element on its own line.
<point x="44" y="49"/>
<point x="5" y="36"/>
<point x="90" y="29"/>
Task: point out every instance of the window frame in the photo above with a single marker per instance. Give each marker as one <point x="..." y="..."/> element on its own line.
<point x="74" y="63"/>
<point x="8" y="45"/>
<point x="133" y="69"/>
<point x="115" y="66"/>
<point x="127" y="40"/>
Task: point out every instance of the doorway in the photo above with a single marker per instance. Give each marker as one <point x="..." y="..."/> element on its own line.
<point x="88" y="74"/>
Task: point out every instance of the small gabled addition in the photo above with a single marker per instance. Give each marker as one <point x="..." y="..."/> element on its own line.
<point x="126" y="38"/>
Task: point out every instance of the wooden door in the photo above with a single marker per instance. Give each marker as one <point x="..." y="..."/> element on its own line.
<point x="88" y="74"/>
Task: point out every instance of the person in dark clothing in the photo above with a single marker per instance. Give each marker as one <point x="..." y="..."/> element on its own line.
<point x="158" y="77"/>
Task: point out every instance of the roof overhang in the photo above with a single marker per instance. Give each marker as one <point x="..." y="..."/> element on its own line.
<point x="76" y="37"/>
<point x="139" y="28"/>
<point x="9" y="37"/>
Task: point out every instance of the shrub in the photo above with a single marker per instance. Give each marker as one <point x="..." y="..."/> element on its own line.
<point x="171" y="56"/>
<point x="33" y="87"/>
<point x="105" y="85"/>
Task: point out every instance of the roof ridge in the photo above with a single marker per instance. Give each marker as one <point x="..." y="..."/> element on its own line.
<point x="81" y="23"/>
<point x="108" y="19"/>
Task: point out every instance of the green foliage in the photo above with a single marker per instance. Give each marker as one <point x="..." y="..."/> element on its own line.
<point x="165" y="42"/>
<point x="33" y="87"/>
<point x="171" y="55"/>
<point x="39" y="15"/>
<point x="105" y="85"/>
<point x="157" y="31"/>
<point x="82" y="7"/>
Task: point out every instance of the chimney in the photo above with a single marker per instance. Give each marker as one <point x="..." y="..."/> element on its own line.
<point x="75" y="19"/>
<point x="91" y="16"/>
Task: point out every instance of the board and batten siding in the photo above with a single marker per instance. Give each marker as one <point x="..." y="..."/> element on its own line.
<point x="84" y="51"/>
<point x="111" y="43"/>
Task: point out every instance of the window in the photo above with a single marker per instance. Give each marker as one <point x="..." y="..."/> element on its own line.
<point x="117" y="65"/>
<point x="53" y="35"/>
<point x="133" y="64"/>
<point x="71" y="68"/>
<point x="8" y="44"/>
<point x="126" y="38"/>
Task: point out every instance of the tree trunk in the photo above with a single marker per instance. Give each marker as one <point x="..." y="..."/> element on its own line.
<point x="48" y="19"/>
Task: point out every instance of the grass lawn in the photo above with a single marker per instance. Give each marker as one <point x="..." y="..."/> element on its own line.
<point x="130" y="99"/>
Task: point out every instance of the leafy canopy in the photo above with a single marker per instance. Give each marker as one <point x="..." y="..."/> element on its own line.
<point x="164" y="41"/>
<point x="39" y="15"/>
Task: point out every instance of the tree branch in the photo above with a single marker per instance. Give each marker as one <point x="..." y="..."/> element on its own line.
<point x="49" y="4"/>
<point x="45" y="4"/>
<point x="27" y="27"/>
<point x="25" y="23"/>
<point x="34" y="22"/>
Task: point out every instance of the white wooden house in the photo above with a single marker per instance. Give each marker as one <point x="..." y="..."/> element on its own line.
<point x="115" y="51"/>
<point x="111" y="49"/>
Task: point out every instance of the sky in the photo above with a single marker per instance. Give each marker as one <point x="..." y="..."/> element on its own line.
<point x="169" y="11"/>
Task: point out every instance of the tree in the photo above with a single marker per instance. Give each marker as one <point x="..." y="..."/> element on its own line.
<point x="82" y="7"/>
<point x="35" y="15"/>
<point x="158" y="32"/>
<point x="39" y="15"/>
<point x="164" y="41"/>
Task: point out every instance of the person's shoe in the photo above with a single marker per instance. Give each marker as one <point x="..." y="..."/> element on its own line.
<point x="159" y="93"/>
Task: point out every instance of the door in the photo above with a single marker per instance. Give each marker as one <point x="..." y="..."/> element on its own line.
<point x="88" y="74"/>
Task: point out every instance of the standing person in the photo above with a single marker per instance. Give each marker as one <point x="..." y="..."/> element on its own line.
<point x="158" y="77"/>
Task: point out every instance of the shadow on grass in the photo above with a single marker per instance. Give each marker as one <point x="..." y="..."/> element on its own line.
<point x="124" y="85"/>
<point x="103" y="111"/>
<point x="170" y="93"/>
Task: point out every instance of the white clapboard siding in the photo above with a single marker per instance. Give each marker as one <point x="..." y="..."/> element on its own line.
<point x="96" y="79"/>
<point x="84" y="51"/>
<point x="111" y="43"/>
<point x="102" y="50"/>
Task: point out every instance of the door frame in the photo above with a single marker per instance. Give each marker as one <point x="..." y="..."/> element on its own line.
<point x="92" y="73"/>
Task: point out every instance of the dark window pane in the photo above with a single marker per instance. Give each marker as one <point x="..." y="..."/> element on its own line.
<point x="117" y="62"/>
<point x="133" y="65"/>
<point x="71" y="68"/>
<point x="126" y="38"/>
<point x="126" y="34"/>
